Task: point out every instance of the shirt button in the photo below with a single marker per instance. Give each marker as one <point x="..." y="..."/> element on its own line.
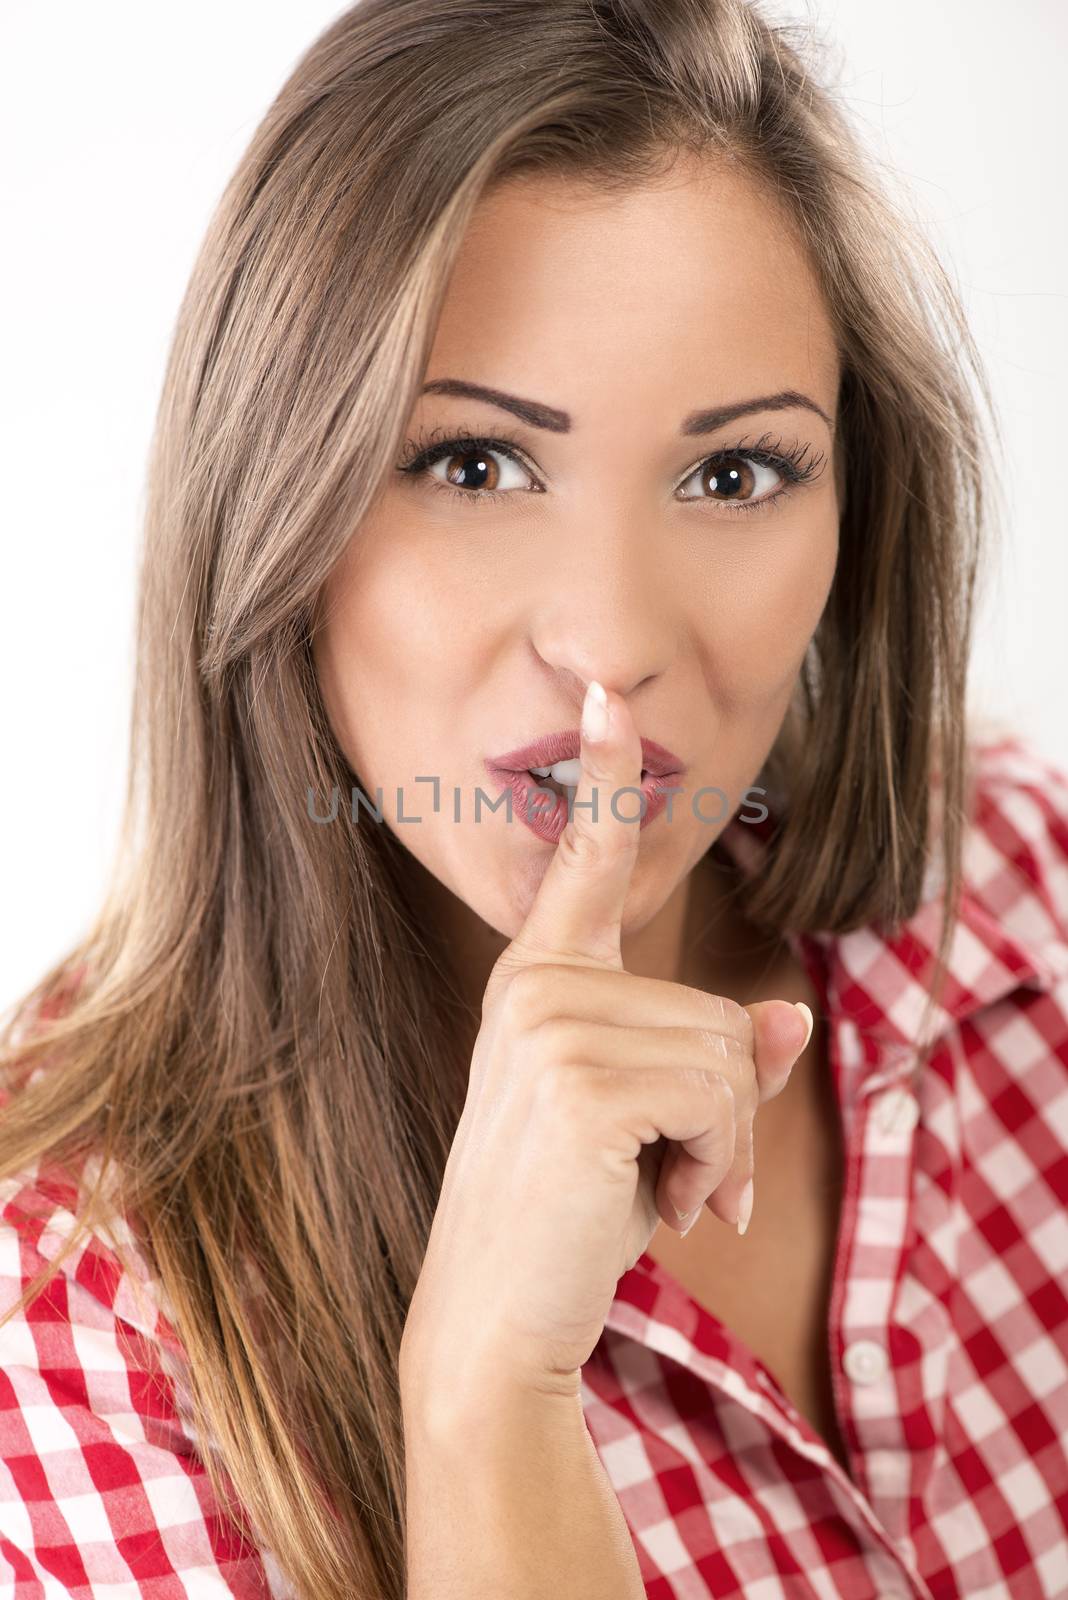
<point x="865" y="1361"/>
<point x="897" y="1110"/>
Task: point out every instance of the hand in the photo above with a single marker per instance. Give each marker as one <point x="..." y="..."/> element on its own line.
<point x="599" y="1104"/>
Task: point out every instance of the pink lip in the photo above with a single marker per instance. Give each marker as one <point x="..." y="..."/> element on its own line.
<point x="566" y="746"/>
<point x="535" y="804"/>
<point x="545" y="813"/>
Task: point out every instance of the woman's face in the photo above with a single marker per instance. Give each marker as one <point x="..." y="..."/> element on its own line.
<point x="462" y="624"/>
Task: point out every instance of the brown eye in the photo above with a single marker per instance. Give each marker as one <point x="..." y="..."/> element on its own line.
<point x="478" y="470"/>
<point x="472" y="469"/>
<point x="734" y="478"/>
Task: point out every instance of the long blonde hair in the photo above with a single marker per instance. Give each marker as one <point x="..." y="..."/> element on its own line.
<point x="266" y="1037"/>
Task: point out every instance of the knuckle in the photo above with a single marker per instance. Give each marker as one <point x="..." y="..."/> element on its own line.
<point x="584" y="851"/>
<point x="710" y="1041"/>
<point x="525" y="993"/>
<point x="727" y="1055"/>
<point x="553" y="1041"/>
<point x="711" y="1004"/>
<point x="748" y="1092"/>
<point x="578" y="850"/>
<point x="714" y="1083"/>
<point x="728" y="1016"/>
<point x="740" y="1022"/>
<point x="734" y="1080"/>
<point x="561" y="1091"/>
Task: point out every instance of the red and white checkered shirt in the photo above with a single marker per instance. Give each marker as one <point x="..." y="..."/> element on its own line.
<point x="947" y="1324"/>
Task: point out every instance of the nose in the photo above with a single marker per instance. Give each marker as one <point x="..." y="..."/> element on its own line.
<point x="605" y="617"/>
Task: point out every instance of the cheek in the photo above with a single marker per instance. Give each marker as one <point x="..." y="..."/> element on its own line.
<point x="385" y="653"/>
<point x="406" y="607"/>
<point x="762" y="610"/>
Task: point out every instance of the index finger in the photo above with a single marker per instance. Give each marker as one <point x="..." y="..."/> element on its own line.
<point x="577" y="913"/>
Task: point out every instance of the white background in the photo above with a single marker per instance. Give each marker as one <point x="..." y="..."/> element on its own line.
<point x="121" y="123"/>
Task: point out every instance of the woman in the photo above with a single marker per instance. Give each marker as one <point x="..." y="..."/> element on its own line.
<point x="538" y="346"/>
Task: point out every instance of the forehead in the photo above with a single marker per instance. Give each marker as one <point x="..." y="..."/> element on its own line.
<point x="695" y="282"/>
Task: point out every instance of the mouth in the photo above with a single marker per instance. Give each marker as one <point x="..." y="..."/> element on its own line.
<point x="544" y="801"/>
<point x="545" y="780"/>
<point x="562" y="752"/>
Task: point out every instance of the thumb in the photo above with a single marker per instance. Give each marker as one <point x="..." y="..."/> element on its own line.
<point x="577" y="912"/>
<point x="781" y="1030"/>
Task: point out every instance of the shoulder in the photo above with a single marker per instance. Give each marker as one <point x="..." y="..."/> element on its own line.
<point x="1007" y="955"/>
<point x="95" y="1332"/>
<point x="39" y="1214"/>
<point x="1009" y="1053"/>
<point x="1008" y="998"/>
<point x="1021" y="794"/>
<point x="101" y="1481"/>
<point x="40" y="1210"/>
<point x="1015" y="862"/>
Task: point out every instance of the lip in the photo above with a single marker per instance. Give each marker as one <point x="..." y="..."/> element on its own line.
<point x="567" y="746"/>
<point x="532" y="799"/>
<point x="545" y="813"/>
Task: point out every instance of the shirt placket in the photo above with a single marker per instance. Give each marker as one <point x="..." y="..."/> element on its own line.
<point x="879" y="1119"/>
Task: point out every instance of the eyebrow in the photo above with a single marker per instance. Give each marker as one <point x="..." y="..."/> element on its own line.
<point x="556" y="421"/>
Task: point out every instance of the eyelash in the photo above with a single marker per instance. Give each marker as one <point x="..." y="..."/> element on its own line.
<point x="421" y="453"/>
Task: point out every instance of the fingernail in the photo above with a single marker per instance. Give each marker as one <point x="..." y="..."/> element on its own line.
<point x="799" y="1005"/>
<point x="745" y="1207"/>
<point x="594" y="712"/>
<point x="684" y="1231"/>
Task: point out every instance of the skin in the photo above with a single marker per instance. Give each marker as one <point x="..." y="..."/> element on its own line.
<point x="455" y="629"/>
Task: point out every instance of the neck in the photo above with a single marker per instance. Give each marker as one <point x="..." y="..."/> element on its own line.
<point x="698" y="937"/>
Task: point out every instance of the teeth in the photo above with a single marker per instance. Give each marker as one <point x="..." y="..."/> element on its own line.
<point x="566" y="773"/>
